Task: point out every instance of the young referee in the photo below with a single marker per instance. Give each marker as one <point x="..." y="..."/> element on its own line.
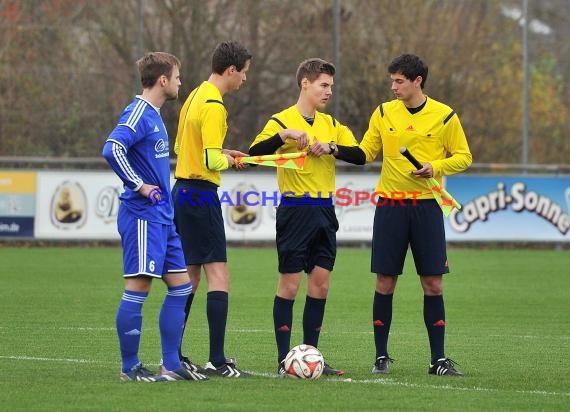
<point x="197" y="211"/>
<point x="430" y="130"/>
<point x="306" y="223"/>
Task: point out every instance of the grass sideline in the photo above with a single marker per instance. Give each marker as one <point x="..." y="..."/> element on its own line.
<point x="507" y="314"/>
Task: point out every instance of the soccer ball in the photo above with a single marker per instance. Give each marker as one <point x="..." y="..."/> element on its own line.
<point x="304" y="362"/>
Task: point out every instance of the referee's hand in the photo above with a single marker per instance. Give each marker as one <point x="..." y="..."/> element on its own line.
<point x="319" y="149"/>
<point x="426" y="171"/>
<point x="300" y="136"/>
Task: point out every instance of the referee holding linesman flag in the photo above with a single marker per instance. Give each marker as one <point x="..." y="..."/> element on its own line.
<point x="306" y="223"/>
<point x="430" y="130"/>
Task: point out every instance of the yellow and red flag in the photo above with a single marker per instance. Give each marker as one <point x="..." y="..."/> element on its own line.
<point x="445" y="201"/>
<point x="285" y="160"/>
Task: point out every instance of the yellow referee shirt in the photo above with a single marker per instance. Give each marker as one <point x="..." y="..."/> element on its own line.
<point x="317" y="179"/>
<point x="202" y="126"/>
<point x="429" y="135"/>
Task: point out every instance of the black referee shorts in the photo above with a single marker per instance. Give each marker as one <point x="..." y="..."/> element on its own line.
<point x="418" y="223"/>
<point x="306" y="235"/>
<point x="199" y="221"/>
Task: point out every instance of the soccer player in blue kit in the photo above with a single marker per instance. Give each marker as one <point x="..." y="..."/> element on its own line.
<point x="137" y="151"/>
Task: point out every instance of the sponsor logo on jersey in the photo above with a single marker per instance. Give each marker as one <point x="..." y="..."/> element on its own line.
<point x="161" y="149"/>
<point x="160" y="146"/>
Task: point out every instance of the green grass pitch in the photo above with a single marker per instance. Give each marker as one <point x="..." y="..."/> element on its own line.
<point x="508" y="317"/>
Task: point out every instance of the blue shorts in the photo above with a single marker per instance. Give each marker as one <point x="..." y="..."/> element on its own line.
<point x="149" y="248"/>
<point x="419" y="225"/>
<point x="306" y="236"/>
<point x="199" y="221"/>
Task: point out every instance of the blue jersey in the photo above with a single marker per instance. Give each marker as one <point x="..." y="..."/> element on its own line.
<point x="137" y="150"/>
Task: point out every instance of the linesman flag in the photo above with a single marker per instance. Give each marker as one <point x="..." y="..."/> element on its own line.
<point x="445" y="201"/>
<point x="285" y="160"/>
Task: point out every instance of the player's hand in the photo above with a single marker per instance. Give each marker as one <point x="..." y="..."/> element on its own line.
<point x="319" y="149"/>
<point x="301" y="137"/>
<point x="152" y="193"/>
<point x="426" y="171"/>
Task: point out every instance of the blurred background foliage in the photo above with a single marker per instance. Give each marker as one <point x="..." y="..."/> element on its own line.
<point x="67" y="66"/>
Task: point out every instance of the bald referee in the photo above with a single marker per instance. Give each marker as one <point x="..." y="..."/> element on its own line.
<point x="306" y="221"/>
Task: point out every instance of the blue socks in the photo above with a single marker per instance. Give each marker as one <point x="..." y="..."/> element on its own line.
<point x="171" y="324"/>
<point x="186" y="314"/>
<point x="129" y="327"/>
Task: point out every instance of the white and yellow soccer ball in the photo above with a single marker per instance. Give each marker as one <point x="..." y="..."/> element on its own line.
<point x="304" y="362"/>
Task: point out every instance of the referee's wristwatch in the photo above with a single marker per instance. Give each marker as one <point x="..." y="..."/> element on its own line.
<point x="333" y="149"/>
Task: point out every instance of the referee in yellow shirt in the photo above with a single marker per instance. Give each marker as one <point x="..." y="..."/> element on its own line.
<point x="197" y="211"/>
<point x="306" y="223"/>
<point x="430" y="130"/>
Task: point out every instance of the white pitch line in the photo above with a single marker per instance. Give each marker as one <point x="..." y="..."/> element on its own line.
<point x="69" y="360"/>
<point x="86" y="328"/>
<point x="531" y="337"/>
<point x="264" y="374"/>
<point x="392" y="382"/>
<point x="457" y="388"/>
<point x="387" y="382"/>
<point x="33" y="358"/>
<point x="247" y="330"/>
